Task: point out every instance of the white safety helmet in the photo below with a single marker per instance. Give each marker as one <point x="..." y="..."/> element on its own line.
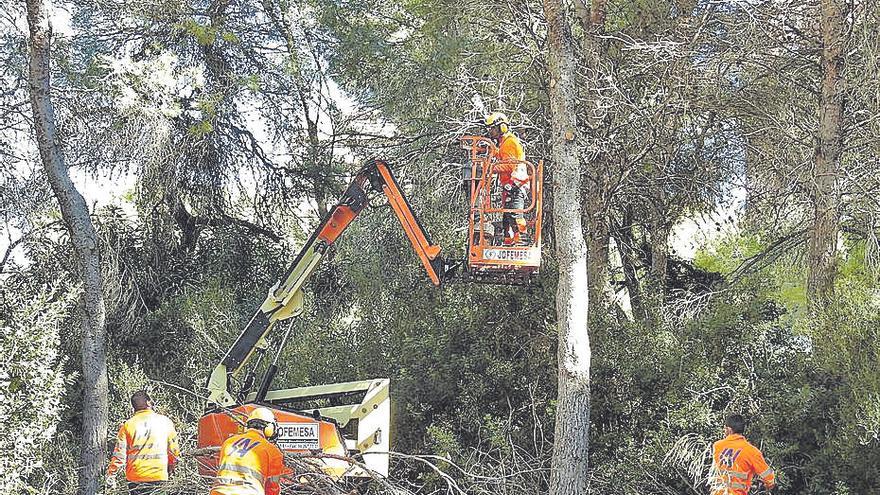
<point x="497" y="119"/>
<point x="263" y="420"/>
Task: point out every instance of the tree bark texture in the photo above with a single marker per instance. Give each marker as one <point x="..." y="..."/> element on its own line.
<point x="85" y="242"/>
<point x="629" y="259"/>
<point x="597" y="234"/>
<point x="569" y="474"/>
<point x="822" y="245"/>
<point x="598" y="231"/>
<point x="659" y="235"/>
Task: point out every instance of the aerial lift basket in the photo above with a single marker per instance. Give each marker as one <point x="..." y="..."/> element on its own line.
<point x="489" y="259"/>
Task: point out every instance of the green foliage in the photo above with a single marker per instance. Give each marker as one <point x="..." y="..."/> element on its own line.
<point x="32" y="385"/>
<point x="728" y="253"/>
<point x="783" y="279"/>
<point x="201" y="129"/>
<point x="204" y="35"/>
<point x="820" y="388"/>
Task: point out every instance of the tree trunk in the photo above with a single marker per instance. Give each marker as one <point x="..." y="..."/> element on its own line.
<point x="569" y="474"/>
<point x="659" y="236"/>
<point x="598" y="232"/>
<point x="660" y="257"/>
<point x="85" y="242"/>
<point x="626" y="247"/>
<point x="822" y="244"/>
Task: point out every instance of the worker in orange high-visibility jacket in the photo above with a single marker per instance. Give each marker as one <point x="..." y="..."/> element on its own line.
<point x="513" y="175"/>
<point x="737" y="461"/>
<point x="147" y="446"/>
<point x="250" y="464"/>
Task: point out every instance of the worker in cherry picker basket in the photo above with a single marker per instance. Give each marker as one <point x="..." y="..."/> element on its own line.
<point x="513" y="175"/>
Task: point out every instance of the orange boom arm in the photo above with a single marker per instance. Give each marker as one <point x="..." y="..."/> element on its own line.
<point x="285" y="299"/>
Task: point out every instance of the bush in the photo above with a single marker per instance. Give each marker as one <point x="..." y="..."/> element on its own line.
<point x="31" y="384"/>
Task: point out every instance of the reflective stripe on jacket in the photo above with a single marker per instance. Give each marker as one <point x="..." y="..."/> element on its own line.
<point x="249" y="465"/>
<point x="146" y="445"/>
<point x="736" y="463"/>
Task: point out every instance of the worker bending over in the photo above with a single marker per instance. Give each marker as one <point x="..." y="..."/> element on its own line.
<point x="147" y="446"/>
<point x="737" y="461"/>
<point x="250" y="464"/>
<point x="512" y="174"/>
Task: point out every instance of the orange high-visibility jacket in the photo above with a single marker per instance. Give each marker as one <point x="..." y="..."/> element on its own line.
<point x="146" y="445"/>
<point x="737" y="462"/>
<point x="249" y="465"/>
<point x="510" y="148"/>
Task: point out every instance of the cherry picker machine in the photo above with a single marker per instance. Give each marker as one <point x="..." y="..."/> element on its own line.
<point x="360" y="426"/>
